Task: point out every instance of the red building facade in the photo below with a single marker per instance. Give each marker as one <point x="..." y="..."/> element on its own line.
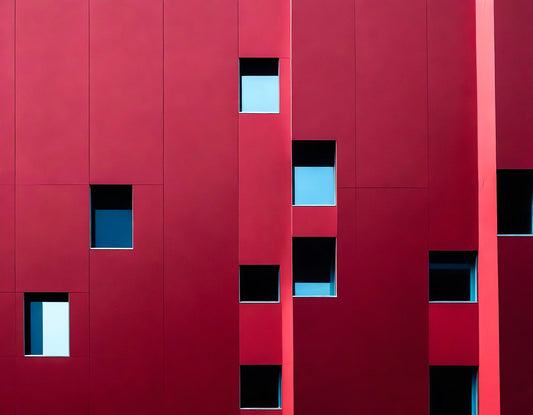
<point x="425" y="100"/>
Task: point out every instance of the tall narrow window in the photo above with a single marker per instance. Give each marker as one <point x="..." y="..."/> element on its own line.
<point x="259" y="283"/>
<point x="452" y="276"/>
<point x="453" y="390"/>
<point x="260" y="387"/>
<point x="46" y="324"/>
<point x="259" y="85"/>
<point x="111" y="216"/>
<point x="515" y="194"/>
<point x="313" y="169"/>
<point x="314" y="267"/>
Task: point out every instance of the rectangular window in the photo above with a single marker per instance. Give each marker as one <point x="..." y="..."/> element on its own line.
<point x="260" y="387"/>
<point x="259" y="85"/>
<point x="515" y="193"/>
<point x="111" y="216"/>
<point x="453" y="390"/>
<point x="46" y="324"/>
<point x="259" y="283"/>
<point x="452" y="276"/>
<point x="314" y="267"/>
<point x="313" y="173"/>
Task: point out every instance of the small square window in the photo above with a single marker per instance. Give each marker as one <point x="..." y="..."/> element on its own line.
<point x="452" y="276"/>
<point x="260" y="387"/>
<point x="259" y="85"/>
<point x="46" y="324"/>
<point x="313" y="267"/>
<point x="453" y="390"/>
<point x="111" y="216"/>
<point x="259" y="283"/>
<point x="313" y="164"/>
<point x="515" y="193"/>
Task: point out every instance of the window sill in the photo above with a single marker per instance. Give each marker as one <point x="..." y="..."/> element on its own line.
<point x="41" y="355"/>
<point x="258" y="112"/>
<point x="259" y="302"/>
<point x="260" y="409"/>
<point x="122" y="249"/>
<point x="314" y="296"/>
<point x="453" y="302"/>
<point x="515" y="234"/>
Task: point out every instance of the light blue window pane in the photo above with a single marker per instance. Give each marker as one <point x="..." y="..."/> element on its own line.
<point x="113" y="228"/>
<point x="309" y="289"/>
<point x="55" y="329"/>
<point x="314" y="185"/>
<point x="260" y="94"/>
<point x="36" y="329"/>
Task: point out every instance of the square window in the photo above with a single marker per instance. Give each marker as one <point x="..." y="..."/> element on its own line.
<point x="453" y="390"/>
<point x="313" y="170"/>
<point x="452" y="276"/>
<point x="313" y="267"/>
<point x="259" y="283"/>
<point x="111" y="216"/>
<point x="515" y="192"/>
<point x="260" y="386"/>
<point x="46" y="324"/>
<point x="259" y="85"/>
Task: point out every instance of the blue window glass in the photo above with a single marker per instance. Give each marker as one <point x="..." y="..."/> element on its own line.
<point x="314" y="267"/>
<point x="452" y="276"/>
<point x="111" y="216"/>
<point x="259" y="85"/>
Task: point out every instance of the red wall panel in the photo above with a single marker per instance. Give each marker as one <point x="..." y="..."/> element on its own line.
<point x="453" y="334"/>
<point x="7" y="238"/>
<point x="514" y="83"/>
<point x="452" y="125"/>
<point x="126" y="91"/>
<point x="391" y="93"/>
<point x="260" y="334"/>
<point x="7" y="385"/>
<point x="201" y="207"/>
<point x="314" y="221"/>
<point x="8" y="324"/>
<point x="264" y="28"/>
<point x="7" y="86"/>
<point x="52" y="241"/>
<point x="52" y="91"/>
<point x="79" y="324"/>
<point x="323" y="85"/>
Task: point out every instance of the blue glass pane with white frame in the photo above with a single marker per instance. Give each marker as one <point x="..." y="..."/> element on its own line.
<point x="314" y="185"/>
<point x="260" y="93"/>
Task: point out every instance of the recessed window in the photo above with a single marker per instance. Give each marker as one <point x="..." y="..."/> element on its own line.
<point x="46" y="324"/>
<point x="259" y="283"/>
<point x="452" y="276"/>
<point x="453" y="390"/>
<point x="260" y="386"/>
<point x="313" y="170"/>
<point x="259" y="85"/>
<point x="313" y="267"/>
<point x="515" y="192"/>
<point x="111" y="216"/>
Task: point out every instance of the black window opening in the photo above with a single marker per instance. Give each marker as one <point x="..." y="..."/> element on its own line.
<point x="46" y="324"/>
<point x="313" y="173"/>
<point x="453" y="390"/>
<point x="260" y="386"/>
<point x="452" y="276"/>
<point x="111" y="216"/>
<point x="515" y="192"/>
<point x="259" y="85"/>
<point x="259" y="283"/>
<point x="314" y="266"/>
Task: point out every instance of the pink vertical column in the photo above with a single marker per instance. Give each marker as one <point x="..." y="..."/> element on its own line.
<point x="489" y="349"/>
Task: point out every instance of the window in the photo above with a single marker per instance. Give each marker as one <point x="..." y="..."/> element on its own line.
<point x="313" y="170"/>
<point x="515" y="202"/>
<point x="111" y="216"/>
<point x="259" y="85"/>
<point x="313" y="267"/>
<point x="452" y="276"/>
<point x="259" y="283"/>
<point x="46" y="324"/>
<point x="453" y="390"/>
<point x="260" y="386"/>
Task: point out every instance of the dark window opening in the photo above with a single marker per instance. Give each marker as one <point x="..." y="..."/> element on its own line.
<point x="453" y="390"/>
<point x="313" y="266"/>
<point x="111" y="216"/>
<point x="452" y="276"/>
<point x="259" y="85"/>
<point x="259" y="282"/>
<point x="260" y="386"/>
<point x="514" y="201"/>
